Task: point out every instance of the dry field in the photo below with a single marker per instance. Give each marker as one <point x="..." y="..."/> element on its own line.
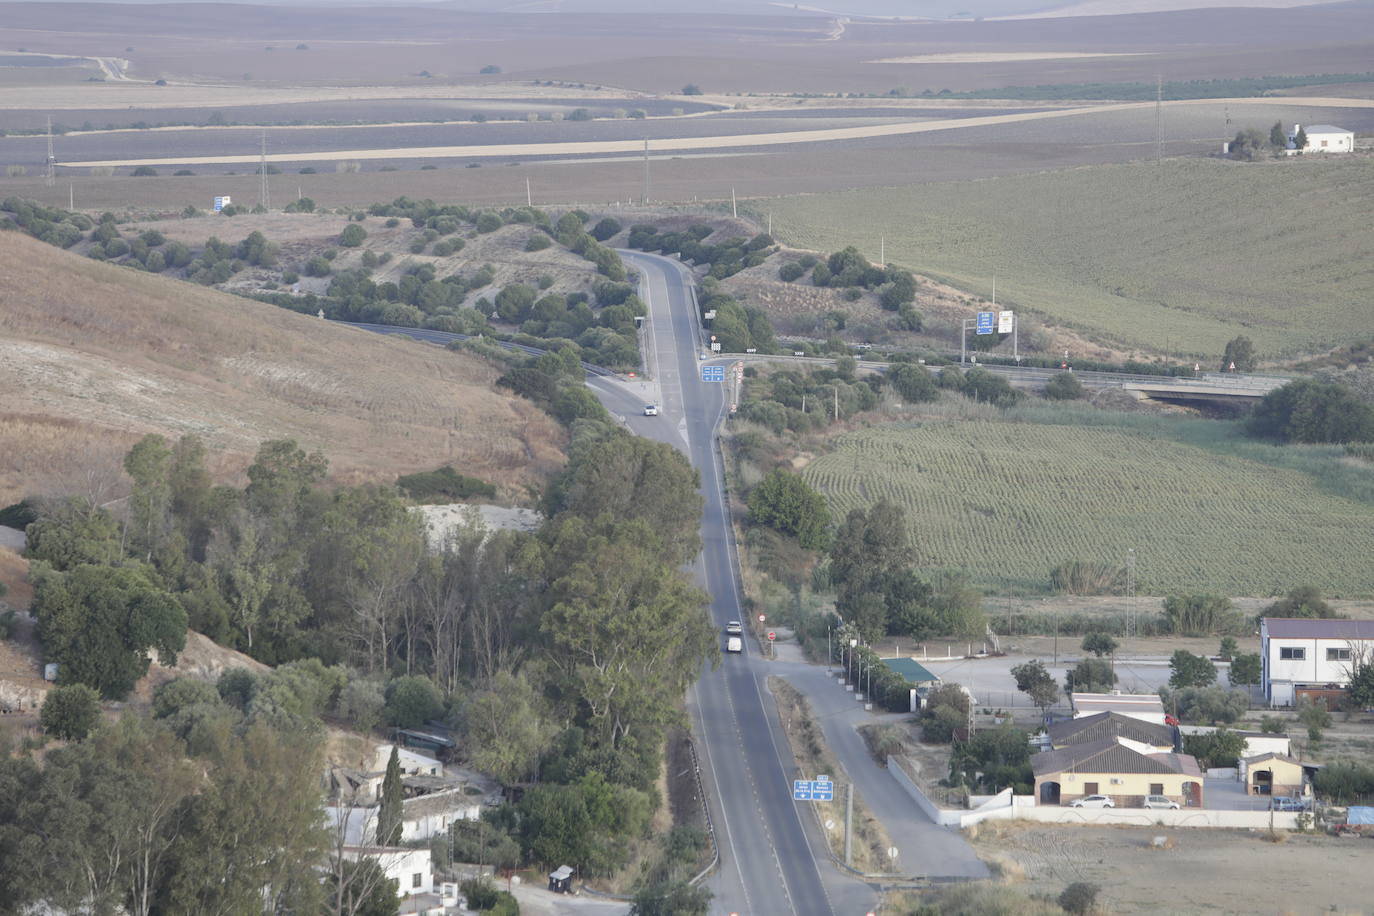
<point x="1205" y="871"/>
<point x="96" y="356"/>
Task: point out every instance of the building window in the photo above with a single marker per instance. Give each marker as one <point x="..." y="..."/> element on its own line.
<point x="1292" y="653"/>
<point x="1156" y="788"/>
<point x="417" y="879"/>
<point x="1338" y="655"/>
<point x="1089" y="788"/>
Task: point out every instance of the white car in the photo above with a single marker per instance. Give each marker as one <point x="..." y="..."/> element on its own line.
<point x="1160" y="801"/>
<point x="734" y="644"/>
<point x="650" y="410"/>
<point x="1093" y="801"/>
<point x="734" y="628"/>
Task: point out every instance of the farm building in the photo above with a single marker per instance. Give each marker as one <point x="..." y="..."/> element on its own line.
<point x="1145" y="707"/>
<point x="1276" y="774"/>
<point x="1300" y="657"/>
<point x="1323" y="138"/>
<point x="1117" y="767"/>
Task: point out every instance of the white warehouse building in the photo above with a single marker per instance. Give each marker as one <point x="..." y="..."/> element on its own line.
<point x="1315" y="658"/>
<point x="1323" y="138"/>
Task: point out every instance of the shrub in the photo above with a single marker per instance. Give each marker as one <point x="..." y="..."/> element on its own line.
<point x="443" y="483"/>
<point x="1079" y="898"/>
<point x="790" y="271"/>
<point x="411" y="701"/>
<point x="318" y="266"/>
<point x="1064" y="387"/>
<point x="538" y="242"/>
<point x="605" y="229"/>
<point x="1086" y="577"/>
<point x="352" y="236"/>
<point x="488" y="222"/>
<point x="145" y="171"/>
<point x="70" y="712"/>
<point x="1311" y="411"/>
<point x="1200" y="615"/>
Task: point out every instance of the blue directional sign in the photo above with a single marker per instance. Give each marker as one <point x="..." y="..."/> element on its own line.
<point x="813" y="790"/>
<point x="713" y="373"/>
<point x="987" y="322"/>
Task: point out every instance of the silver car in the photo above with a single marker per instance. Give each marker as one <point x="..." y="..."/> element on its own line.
<point x="1093" y="801"/>
<point x="1160" y="801"/>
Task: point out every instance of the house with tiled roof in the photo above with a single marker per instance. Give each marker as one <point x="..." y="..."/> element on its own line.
<point x="1106" y="725"/>
<point x="1147" y="707"/>
<point x="1125" y="770"/>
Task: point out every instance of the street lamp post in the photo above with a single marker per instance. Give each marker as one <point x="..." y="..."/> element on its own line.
<point x="852" y="644"/>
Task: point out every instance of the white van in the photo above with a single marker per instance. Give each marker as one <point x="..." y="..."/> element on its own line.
<point x="734" y="644"/>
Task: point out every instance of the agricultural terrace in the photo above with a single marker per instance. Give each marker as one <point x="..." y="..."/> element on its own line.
<point x="1205" y="509"/>
<point x="1177" y="256"/>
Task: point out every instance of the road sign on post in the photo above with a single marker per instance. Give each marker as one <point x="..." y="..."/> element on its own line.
<point x="986" y="322"/>
<point x="713" y="373"/>
<point x="772" y="636"/>
<point x="813" y="790"/>
<point x="1004" y="322"/>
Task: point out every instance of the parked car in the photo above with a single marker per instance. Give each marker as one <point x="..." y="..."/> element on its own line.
<point x="1160" y="801"/>
<point x="734" y="628"/>
<point x="1093" y="801"/>
<point x="1287" y="803"/>
<point x="650" y="410"/>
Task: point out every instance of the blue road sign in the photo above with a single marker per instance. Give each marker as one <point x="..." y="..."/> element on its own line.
<point x="987" y="322"/>
<point x="713" y="373"/>
<point x="813" y="790"/>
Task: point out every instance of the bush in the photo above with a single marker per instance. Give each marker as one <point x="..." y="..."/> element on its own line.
<point x="70" y="712"/>
<point x="1200" y="615"/>
<point x="145" y="171"/>
<point x="352" y="236"/>
<point x="1086" y="577"/>
<point x="318" y="266"/>
<point x="790" y="271"/>
<point x="605" y="229"/>
<point x="1311" y="411"/>
<point x="443" y="483"/>
<point x="1079" y="897"/>
<point x="538" y="242"/>
<point x="1064" y="387"/>
<point x="489" y="222"/>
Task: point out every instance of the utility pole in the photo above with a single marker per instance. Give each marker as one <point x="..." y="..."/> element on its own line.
<point x="882" y="251"/>
<point x="645" y="201"/>
<point x="49" y="170"/>
<point x="71" y="197"/>
<point x="1130" y="592"/>
<point x="1159" y="118"/>
<point x="837" y="402"/>
<point x="849" y="824"/>
<point x="734" y="210"/>
<point x="262" y="169"/>
<point x="770" y="225"/>
<point x="529" y="201"/>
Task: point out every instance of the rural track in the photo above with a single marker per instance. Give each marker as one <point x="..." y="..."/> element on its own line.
<point x="721" y="142"/>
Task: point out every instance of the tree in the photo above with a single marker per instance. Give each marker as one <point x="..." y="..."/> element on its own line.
<point x="1312" y="411"/>
<point x="914" y="383"/>
<point x="1036" y="682"/>
<point x="149" y="463"/>
<point x="1199" y="615"/>
<point x="361" y="888"/>
<point x="389" y="810"/>
<point x="411" y="701"/>
<point x="99" y="623"/>
<point x="1278" y="140"/>
<point x="1240" y="352"/>
<point x="1300" y="139"/>
<point x="786" y="503"/>
<point x="691" y="89"/>
<point x="1091" y="675"/>
<point x="1315" y="715"/>
<point x="671" y="898"/>
<point x="352" y="236"/>
<point x="505" y="728"/>
<point x="1064" y="387"/>
<point x="1245" y="669"/>
<point x="1303" y="601"/>
<point x="1219" y="749"/>
<point x="70" y="712"/>
<point x="145" y="171"/>
<point x="1206" y="705"/>
<point x="1099" y="644"/>
<point x="1229" y="649"/>
<point x="1189" y="670"/>
<point x="1360" y="693"/>
<point x="1249" y="144"/>
<point x="71" y="532"/>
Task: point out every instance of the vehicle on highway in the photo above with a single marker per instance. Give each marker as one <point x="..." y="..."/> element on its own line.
<point x="650" y="410"/>
<point x="734" y="628"/>
<point x="1159" y="801"/>
<point x="734" y="644"/>
<point x="1093" y="801"/>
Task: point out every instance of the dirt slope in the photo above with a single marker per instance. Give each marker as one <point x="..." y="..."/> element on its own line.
<point x="94" y="356"/>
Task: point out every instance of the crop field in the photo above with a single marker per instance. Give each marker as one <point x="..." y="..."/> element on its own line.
<point x="1178" y="256"/>
<point x="1204" y="509"/>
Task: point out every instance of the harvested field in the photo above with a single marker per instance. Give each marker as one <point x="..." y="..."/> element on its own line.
<point x="1163" y="257"/>
<point x="96" y="356"/>
<point x="1204" y="509"/>
<point x="1203" y="871"/>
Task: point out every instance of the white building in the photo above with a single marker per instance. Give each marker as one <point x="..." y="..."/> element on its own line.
<point x="1304" y="657"/>
<point x="1323" y="138"/>
<point x="1145" y="707"/>
<point x="410" y="868"/>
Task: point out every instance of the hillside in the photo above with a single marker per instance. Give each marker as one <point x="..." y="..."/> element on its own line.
<point x="1175" y="257"/>
<point x="94" y="356"/>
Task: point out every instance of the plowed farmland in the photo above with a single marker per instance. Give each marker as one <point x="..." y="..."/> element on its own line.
<point x="1204" y="510"/>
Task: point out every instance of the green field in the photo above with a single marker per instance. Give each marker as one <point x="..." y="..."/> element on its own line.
<point x="1180" y="255"/>
<point x="1204" y="509"/>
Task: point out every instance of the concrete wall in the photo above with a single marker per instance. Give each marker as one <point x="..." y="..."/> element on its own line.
<point x="941" y="816"/>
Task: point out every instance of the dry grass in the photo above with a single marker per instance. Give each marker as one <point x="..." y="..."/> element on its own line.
<point x="97" y="356"/>
<point x="813" y="756"/>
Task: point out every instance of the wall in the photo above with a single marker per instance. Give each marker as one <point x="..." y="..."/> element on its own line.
<point x="941" y="816"/>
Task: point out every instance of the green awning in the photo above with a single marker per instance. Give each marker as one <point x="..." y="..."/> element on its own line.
<point x="912" y="670"/>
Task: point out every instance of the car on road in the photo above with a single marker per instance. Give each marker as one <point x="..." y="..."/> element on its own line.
<point x="734" y="644"/>
<point x="1160" y="801"/>
<point x="650" y="410"/>
<point x="734" y="628"/>
<point x="1093" y="801"/>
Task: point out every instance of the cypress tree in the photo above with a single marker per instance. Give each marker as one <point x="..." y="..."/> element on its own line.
<point x="389" y="811"/>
